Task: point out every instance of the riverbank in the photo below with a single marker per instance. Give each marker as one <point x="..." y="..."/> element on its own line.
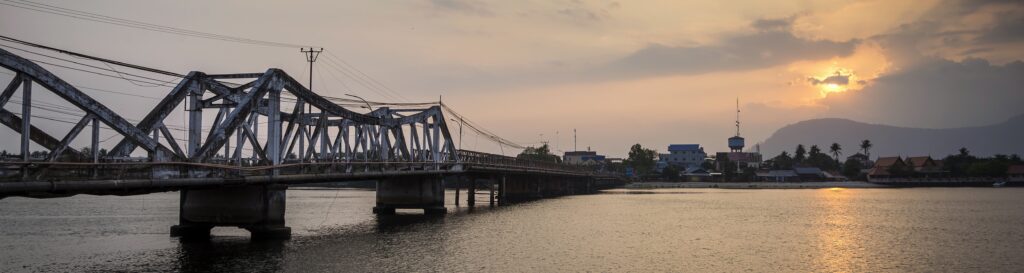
<point x="753" y="185"/>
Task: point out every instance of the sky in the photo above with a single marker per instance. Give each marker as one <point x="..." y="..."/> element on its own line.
<point x="618" y="72"/>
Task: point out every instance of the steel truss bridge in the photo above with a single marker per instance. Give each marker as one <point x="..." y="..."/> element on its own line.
<point x="234" y="171"/>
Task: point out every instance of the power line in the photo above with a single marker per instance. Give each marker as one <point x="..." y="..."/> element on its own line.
<point x="103" y="90"/>
<point x="80" y="55"/>
<point x="93" y="72"/>
<point x="351" y="75"/>
<point x="120" y="74"/>
<point x="480" y="130"/>
<point x="373" y="82"/>
<point x="94" y="17"/>
<point x="73" y="112"/>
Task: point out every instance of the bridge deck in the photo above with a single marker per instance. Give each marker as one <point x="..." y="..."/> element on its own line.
<point x="192" y="175"/>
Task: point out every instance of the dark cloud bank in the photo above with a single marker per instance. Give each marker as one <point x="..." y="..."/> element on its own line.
<point x="772" y="44"/>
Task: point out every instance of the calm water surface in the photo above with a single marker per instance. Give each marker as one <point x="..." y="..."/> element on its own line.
<point x="693" y="230"/>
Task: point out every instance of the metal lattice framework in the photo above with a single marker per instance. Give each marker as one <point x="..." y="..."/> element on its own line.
<point x="328" y="133"/>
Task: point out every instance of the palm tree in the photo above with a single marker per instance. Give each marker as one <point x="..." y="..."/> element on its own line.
<point x="836" y="151"/>
<point x="800" y="153"/>
<point x="866" y="146"/>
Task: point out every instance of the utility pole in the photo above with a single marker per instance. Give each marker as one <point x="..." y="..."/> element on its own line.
<point x="574" y="143"/>
<point x="311" y="55"/>
<point x="737" y="116"/>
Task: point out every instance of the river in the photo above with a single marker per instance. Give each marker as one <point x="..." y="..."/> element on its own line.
<point x="678" y="230"/>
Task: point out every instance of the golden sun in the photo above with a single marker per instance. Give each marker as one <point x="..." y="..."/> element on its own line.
<point x="831" y="88"/>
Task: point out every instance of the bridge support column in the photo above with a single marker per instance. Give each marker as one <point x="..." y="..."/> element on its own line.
<point x="490" y="193"/>
<point x="502" y="187"/>
<point x="516" y="188"/>
<point x="410" y="193"/>
<point x="458" y="184"/>
<point x="471" y="192"/>
<point x="539" y="193"/>
<point x="259" y="209"/>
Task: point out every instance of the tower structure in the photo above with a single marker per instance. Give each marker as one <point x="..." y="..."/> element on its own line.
<point x="736" y="142"/>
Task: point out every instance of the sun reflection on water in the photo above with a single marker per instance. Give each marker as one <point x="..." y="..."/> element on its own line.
<point x="836" y="231"/>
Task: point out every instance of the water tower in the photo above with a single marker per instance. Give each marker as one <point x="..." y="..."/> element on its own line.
<point x="736" y="143"/>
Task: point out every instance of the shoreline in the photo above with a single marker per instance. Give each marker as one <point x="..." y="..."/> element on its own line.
<point x="753" y="185"/>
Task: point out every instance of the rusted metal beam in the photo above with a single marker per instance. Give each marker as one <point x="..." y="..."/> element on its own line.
<point x="319" y="102"/>
<point x="238" y="115"/>
<point x="236" y="76"/>
<point x="221" y="91"/>
<point x="79" y="99"/>
<point x="274" y="127"/>
<point x="26" y="119"/>
<point x="38" y="136"/>
<point x="9" y="91"/>
<point x="160" y="112"/>
<point x="170" y="141"/>
<point x="55" y="153"/>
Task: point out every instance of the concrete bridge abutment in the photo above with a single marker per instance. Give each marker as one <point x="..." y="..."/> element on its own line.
<point x="258" y="209"/>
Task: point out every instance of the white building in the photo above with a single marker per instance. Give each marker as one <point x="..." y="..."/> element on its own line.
<point x="684" y="155"/>
<point x="583" y="158"/>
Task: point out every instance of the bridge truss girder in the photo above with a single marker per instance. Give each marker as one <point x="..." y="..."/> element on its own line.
<point x="28" y="73"/>
<point x="327" y="133"/>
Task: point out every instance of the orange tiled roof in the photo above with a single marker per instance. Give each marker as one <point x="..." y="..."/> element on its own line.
<point x="887" y="161"/>
<point x="918" y="161"/>
<point x="878" y="171"/>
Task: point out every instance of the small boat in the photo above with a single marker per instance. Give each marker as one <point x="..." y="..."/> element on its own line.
<point x="999" y="184"/>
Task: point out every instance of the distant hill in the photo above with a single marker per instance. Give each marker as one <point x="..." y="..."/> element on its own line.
<point x="1004" y="138"/>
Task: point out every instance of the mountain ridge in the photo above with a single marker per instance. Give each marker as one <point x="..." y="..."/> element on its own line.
<point x="1002" y="138"/>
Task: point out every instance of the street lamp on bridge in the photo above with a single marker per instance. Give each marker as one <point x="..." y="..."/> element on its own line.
<point x="364" y="101"/>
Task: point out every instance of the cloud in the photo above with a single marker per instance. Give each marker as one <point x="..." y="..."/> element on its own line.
<point x="580" y="14"/>
<point x="937" y="94"/>
<point x="779" y="24"/>
<point x="469" y="7"/>
<point x="1009" y="27"/>
<point x="950" y="69"/>
<point x="772" y="44"/>
<point x="838" y="79"/>
<point x="959" y="30"/>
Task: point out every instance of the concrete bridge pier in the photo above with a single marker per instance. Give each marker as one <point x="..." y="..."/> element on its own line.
<point x="410" y="193"/>
<point x="490" y="193"/>
<point x="258" y="209"/>
<point x="458" y="185"/>
<point x="502" y="187"/>
<point x="513" y="187"/>
<point x="471" y="192"/>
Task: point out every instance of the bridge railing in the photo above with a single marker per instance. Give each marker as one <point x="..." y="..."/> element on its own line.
<point x="474" y="157"/>
<point x="140" y="168"/>
<point x="14" y="171"/>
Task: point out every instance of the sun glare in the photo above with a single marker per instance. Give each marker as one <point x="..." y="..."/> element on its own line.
<point x="831" y="88"/>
